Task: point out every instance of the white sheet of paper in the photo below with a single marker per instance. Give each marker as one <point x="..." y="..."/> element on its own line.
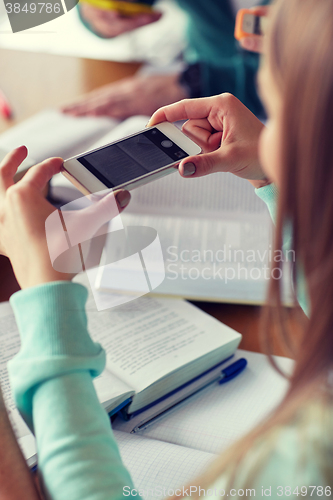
<point x="159" y="43"/>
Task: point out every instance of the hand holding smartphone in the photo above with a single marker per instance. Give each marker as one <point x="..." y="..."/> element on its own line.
<point x="250" y="27"/>
<point x="131" y="162"/>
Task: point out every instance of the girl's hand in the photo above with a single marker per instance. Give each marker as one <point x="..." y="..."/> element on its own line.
<point x="227" y="132"/>
<point x="24" y="210"/>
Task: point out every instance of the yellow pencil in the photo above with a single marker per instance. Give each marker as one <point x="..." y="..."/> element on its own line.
<point x="124" y="8"/>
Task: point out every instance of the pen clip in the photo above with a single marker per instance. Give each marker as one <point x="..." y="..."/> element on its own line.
<point x="233" y="370"/>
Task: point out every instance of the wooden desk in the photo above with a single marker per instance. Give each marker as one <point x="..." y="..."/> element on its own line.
<point x="35" y="81"/>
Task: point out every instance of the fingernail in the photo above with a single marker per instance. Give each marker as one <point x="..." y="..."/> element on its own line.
<point x="188" y="169"/>
<point x="123" y="198"/>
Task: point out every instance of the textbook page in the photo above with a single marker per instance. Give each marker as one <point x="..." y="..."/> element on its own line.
<point x="226" y="257"/>
<point x="110" y="390"/>
<point x="149" y="338"/>
<point x="157" y="468"/>
<point x="219" y="415"/>
<point x="52" y="133"/>
<point x="9" y="346"/>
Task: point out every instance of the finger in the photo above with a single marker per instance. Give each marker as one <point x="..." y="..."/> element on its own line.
<point x="90" y="103"/>
<point x="121" y="24"/>
<point x="133" y="22"/>
<point x="182" y="110"/>
<point x="9" y="166"/>
<point x="202" y="133"/>
<point x="108" y="206"/>
<point x="92" y="109"/>
<point x="39" y="175"/>
<point x="201" y="165"/>
<point x="253" y="43"/>
<point x="83" y="224"/>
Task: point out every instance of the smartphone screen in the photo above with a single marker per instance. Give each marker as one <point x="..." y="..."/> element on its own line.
<point x="252" y="24"/>
<point x="132" y="157"/>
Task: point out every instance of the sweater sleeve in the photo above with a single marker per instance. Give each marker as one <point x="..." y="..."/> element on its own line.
<point x="269" y="194"/>
<point x="52" y="385"/>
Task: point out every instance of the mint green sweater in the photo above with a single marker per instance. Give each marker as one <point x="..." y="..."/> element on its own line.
<point x="52" y="377"/>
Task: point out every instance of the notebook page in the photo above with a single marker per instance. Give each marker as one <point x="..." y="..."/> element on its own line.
<point x="148" y="339"/>
<point x="157" y="467"/>
<point x="215" y="418"/>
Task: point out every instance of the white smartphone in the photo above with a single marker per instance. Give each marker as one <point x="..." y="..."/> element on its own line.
<point x="130" y="162"/>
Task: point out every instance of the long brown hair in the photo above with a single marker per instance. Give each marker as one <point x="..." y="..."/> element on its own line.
<point x="300" y="57"/>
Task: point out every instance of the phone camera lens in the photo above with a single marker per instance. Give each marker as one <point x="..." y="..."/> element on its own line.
<point x="167" y="144"/>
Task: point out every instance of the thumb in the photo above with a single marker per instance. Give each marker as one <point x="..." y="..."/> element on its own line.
<point x="204" y="164"/>
<point x="106" y="207"/>
<point x="81" y="225"/>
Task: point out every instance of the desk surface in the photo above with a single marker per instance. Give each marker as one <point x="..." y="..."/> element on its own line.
<point x="32" y="82"/>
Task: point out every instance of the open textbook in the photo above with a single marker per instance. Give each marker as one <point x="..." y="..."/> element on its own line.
<point x="158" y="352"/>
<point x="178" y="447"/>
<point x="215" y="233"/>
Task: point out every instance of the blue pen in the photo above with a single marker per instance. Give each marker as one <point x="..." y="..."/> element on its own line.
<point x="232" y="370"/>
<point x="227" y="374"/>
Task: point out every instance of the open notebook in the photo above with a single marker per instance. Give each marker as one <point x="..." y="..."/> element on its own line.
<point x="215" y="232"/>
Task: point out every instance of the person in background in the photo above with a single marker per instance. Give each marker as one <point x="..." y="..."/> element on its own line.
<point x="255" y="43"/>
<point x="215" y="62"/>
<point x="290" y="163"/>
